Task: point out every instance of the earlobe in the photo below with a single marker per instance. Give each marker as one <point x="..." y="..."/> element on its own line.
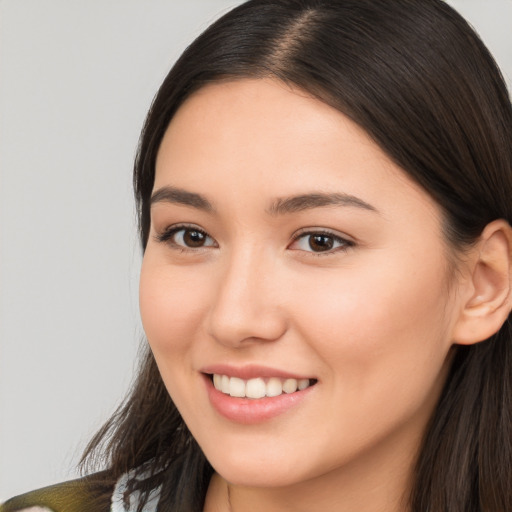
<point x="489" y="301"/>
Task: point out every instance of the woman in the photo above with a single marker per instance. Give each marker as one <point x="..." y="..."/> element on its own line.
<point x="324" y="192"/>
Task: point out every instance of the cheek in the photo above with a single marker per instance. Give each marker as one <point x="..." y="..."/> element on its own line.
<point x="383" y="342"/>
<point x="170" y="306"/>
<point x="379" y="324"/>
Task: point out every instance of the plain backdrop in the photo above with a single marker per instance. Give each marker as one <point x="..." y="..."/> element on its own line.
<point x="76" y="79"/>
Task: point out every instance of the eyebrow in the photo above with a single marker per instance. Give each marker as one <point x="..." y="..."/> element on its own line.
<point x="179" y="196"/>
<point x="315" y="200"/>
<point x="281" y="206"/>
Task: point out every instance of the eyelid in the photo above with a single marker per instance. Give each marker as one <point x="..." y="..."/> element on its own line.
<point x="346" y="241"/>
<point x="167" y="234"/>
<point x="318" y="230"/>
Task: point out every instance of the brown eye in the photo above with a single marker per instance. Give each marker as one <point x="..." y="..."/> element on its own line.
<point x="320" y="243"/>
<point x="193" y="238"/>
<point x="187" y="237"/>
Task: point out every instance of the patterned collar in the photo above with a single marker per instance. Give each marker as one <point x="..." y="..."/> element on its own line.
<point x="122" y="503"/>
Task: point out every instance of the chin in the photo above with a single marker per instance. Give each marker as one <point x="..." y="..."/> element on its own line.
<point x="258" y="477"/>
<point x="267" y="468"/>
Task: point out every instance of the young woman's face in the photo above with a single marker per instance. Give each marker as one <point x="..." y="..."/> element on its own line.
<point x="288" y="251"/>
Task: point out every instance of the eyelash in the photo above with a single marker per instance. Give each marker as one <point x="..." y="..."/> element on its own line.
<point x="167" y="237"/>
<point x="344" y="246"/>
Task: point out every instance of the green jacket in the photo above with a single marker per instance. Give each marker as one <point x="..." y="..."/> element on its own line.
<point x="87" y="494"/>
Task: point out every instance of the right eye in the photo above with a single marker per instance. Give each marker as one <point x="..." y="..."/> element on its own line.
<point x="187" y="237"/>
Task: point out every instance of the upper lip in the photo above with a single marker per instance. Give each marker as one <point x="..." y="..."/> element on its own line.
<point x="251" y="371"/>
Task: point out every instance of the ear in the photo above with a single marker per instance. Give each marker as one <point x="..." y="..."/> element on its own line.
<point x="488" y="295"/>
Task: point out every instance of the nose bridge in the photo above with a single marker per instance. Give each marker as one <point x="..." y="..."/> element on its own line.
<point x="246" y="305"/>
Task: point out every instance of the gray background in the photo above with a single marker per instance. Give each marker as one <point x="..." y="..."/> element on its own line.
<point x="76" y="79"/>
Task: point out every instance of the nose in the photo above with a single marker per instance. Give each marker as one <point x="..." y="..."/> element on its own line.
<point x="246" y="307"/>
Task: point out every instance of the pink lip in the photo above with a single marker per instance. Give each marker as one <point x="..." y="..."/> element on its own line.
<point x="250" y="372"/>
<point x="249" y="411"/>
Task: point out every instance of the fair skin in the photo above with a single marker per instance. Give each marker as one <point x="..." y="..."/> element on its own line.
<point x="348" y="285"/>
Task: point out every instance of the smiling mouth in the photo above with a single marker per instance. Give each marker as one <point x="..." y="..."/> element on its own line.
<point x="258" y="387"/>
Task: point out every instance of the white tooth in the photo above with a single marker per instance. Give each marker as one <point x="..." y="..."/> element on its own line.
<point x="224" y="386"/>
<point x="303" y="384"/>
<point x="290" y="385"/>
<point x="236" y="387"/>
<point x="255" y="388"/>
<point x="274" y="387"/>
<point x="217" y="381"/>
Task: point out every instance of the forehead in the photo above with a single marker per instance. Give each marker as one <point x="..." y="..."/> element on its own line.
<point x="262" y="135"/>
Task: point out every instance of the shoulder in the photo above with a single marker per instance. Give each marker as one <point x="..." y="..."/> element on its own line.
<point x="82" y="495"/>
<point x="35" y="509"/>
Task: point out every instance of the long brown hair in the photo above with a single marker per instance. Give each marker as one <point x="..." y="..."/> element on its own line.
<point x="417" y="78"/>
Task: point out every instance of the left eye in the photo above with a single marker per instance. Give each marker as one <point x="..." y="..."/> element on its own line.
<point x="192" y="238"/>
<point x="320" y="242"/>
<point x="188" y="237"/>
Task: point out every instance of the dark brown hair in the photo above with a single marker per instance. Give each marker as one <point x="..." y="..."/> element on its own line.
<point x="417" y="78"/>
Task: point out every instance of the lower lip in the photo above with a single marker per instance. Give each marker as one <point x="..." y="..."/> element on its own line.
<point x="249" y="411"/>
